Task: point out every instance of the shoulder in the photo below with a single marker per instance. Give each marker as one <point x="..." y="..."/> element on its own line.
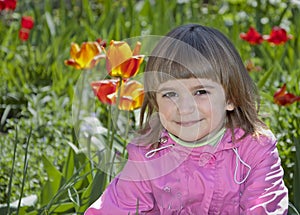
<point x="259" y="147"/>
<point x="263" y="138"/>
<point x="136" y="151"/>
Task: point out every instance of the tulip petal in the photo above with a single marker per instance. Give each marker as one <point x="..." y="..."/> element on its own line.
<point x="127" y="69"/>
<point x="252" y="36"/>
<point x="72" y="63"/>
<point x="105" y="90"/>
<point x="24" y="34"/>
<point x="131" y="95"/>
<point x="137" y="48"/>
<point x="118" y="53"/>
<point x="88" y="51"/>
<point x="121" y="61"/>
<point x="74" y="50"/>
<point x="282" y="98"/>
<point x="27" y="22"/>
<point x="86" y="56"/>
<point x="277" y="36"/>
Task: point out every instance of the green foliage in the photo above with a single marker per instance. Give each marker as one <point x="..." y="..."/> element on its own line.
<point x="37" y="89"/>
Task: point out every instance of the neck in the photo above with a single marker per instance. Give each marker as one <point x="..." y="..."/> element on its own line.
<point x="212" y="139"/>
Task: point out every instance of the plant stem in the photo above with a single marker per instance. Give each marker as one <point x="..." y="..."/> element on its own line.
<point x="116" y="116"/>
<point x="12" y="170"/>
<point x="113" y="131"/>
<point x="126" y="134"/>
<point x="89" y="153"/>
<point x="81" y="90"/>
<point x="24" y="170"/>
<point x="109" y="122"/>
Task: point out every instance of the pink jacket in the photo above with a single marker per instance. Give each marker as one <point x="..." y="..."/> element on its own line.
<point x="233" y="178"/>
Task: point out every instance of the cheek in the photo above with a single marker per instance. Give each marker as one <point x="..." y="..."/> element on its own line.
<point x="165" y="119"/>
<point x="204" y="106"/>
<point x="166" y="106"/>
<point x="219" y="114"/>
<point x="166" y="111"/>
<point x="213" y="108"/>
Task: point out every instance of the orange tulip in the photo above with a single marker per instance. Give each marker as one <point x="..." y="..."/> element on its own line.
<point x="105" y="90"/>
<point x="84" y="57"/>
<point x="131" y="95"/>
<point x="250" y="66"/>
<point x="282" y="98"/>
<point x="122" y="61"/>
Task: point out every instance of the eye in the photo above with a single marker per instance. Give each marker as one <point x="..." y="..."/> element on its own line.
<point x="201" y="92"/>
<point x="169" y="94"/>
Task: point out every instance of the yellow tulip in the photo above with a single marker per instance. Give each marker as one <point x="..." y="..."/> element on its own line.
<point x="122" y="61"/>
<point x="86" y="56"/>
<point x="131" y="95"/>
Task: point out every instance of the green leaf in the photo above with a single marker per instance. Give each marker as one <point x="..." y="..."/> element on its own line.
<point x="89" y="12"/>
<point x="68" y="168"/>
<point x="50" y="24"/>
<point x="53" y="183"/>
<point x="72" y="192"/>
<point x="93" y="191"/>
<point x="265" y="78"/>
<point x="62" y="208"/>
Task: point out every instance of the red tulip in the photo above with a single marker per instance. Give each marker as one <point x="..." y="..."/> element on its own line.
<point x="105" y="90"/>
<point x="2" y="5"/>
<point x="8" y="4"/>
<point x="252" y="36"/>
<point x="282" y="98"/>
<point x="24" y="34"/>
<point x="27" y="22"/>
<point x="277" y="36"/>
<point x="131" y="93"/>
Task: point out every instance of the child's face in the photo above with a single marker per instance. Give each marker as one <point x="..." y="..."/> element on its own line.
<point x="192" y="108"/>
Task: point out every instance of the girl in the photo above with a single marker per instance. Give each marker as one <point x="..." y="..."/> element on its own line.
<point x="202" y="149"/>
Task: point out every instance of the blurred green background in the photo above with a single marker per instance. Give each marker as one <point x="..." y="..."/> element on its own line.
<point x="40" y="155"/>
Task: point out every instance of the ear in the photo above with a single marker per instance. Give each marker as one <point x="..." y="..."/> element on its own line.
<point x="229" y="106"/>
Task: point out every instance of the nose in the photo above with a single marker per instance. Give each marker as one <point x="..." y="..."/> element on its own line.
<point x="186" y="105"/>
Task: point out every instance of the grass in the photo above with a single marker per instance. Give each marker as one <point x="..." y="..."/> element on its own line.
<point x="37" y="89"/>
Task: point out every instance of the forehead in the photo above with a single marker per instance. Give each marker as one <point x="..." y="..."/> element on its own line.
<point x="189" y="84"/>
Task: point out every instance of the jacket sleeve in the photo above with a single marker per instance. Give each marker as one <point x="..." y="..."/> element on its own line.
<point x="123" y="195"/>
<point x="264" y="191"/>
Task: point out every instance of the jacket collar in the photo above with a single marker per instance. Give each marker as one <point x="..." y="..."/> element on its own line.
<point x="224" y="144"/>
<point x="166" y="143"/>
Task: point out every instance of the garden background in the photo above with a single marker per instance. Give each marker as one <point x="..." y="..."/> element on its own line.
<point x="41" y="158"/>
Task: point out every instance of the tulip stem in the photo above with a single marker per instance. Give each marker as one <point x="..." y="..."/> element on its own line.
<point x="126" y="133"/>
<point x="113" y="126"/>
<point x="80" y="90"/>
<point x="109" y="122"/>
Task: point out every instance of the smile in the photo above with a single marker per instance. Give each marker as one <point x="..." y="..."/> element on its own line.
<point x="188" y="123"/>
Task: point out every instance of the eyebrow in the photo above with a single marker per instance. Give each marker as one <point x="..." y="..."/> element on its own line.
<point x="202" y="86"/>
<point x="193" y="88"/>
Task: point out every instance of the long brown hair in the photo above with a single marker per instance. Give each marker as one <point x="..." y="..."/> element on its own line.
<point x="201" y="52"/>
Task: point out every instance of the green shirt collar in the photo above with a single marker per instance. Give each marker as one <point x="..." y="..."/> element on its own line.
<point x="210" y="141"/>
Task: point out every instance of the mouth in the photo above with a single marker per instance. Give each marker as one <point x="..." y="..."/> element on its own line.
<point x="187" y="123"/>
